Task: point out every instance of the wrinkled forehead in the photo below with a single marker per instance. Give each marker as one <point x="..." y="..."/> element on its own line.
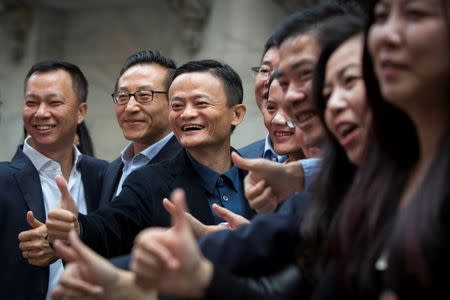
<point x="303" y="47"/>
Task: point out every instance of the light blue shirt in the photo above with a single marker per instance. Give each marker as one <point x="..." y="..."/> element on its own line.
<point x="270" y="154"/>
<point x="48" y="169"/>
<point x="132" y="162"/>
<point x="311" y="167"/>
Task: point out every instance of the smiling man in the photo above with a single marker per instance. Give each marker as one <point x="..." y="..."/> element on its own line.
<point x="205" y="104"/>
<point x="55" y="96"/>
<point x="142" y="109"/>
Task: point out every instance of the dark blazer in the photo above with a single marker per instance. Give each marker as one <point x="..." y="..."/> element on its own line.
<point x="254" y="150"/>
<point x="114" y="170"/>
<point x="273" y="238"/>
<point x="20" y="191"/>
<point x="111" y="230"/>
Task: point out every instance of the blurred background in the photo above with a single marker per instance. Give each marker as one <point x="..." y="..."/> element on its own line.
<point x="98" y="35"/>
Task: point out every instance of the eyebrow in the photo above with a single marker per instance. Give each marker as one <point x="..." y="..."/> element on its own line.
<point x="139" y="88"/>
<point x="349" y="66"/>
<point x="303" y="62"/>
<point x="342" y="71"/>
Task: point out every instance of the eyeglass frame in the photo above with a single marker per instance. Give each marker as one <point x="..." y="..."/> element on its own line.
<point x="257" y="72"/>
<point x="137" y="99"/>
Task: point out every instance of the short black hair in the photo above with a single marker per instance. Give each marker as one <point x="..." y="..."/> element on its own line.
<point x="79" y="82"/>
<point x="307" y="20"/>
<point x="271" y="42"/>
<point x="147" y="57"/>
<point x="231" y="81"/>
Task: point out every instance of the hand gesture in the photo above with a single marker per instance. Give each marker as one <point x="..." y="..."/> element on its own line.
<point x="90" y="276"/>
<point x="170" y="260"/>
<point x="268" y="183"/>
<point x="34" y="245"/>
<point x="61" y="220"/>
<point x="199" y="229"/>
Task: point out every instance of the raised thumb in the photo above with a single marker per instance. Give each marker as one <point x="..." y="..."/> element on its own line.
<point x="66" y="198"/>
<point x="178" y="216"/>
<point x="32" y="221"/>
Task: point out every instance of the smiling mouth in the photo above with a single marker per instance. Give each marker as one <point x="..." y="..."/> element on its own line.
<point x="192" y="127"/>
<point x="44" y="127"/>
<point x="282" y="133"/>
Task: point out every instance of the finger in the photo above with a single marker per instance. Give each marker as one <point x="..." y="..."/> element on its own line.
<point x="61" y="215"/>
<point x="66" y="198"/>
<point x="33" y="245"/>
<point x="265" y="202"/>
<point x="270" y="207"/>
<point x="169" y="206"/>
<point x="178" y="218"/>
<point x="241" y="162"/>
<point x="81" y="287"/>
<point x="65" y="252"/>
<point x="83" y="251"/>
<point x="253" y="191"/>
<point x="61" y="236"/>
<point x="234" y="220"/>
<point x="32" y="234"/>
<point x="152" y="241"/>
<point x="32" y="221"/>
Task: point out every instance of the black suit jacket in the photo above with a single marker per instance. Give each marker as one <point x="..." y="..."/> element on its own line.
<point x="114" y="170"/>
<point x="111" y="230"/>
<point x="20" y="191"/>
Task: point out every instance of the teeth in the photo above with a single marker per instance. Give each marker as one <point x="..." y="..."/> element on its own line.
<point x="44" y="127"/>
<point x="192" y="127"/>
<point x="282" y="133"/>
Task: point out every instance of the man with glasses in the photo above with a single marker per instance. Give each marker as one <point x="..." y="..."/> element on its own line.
<point x="269" y="61"/>
<point x="141" y="106"/>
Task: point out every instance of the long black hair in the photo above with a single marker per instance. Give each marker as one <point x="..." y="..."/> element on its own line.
<point x="370" y="224"/>
<point x="337" y="171"/>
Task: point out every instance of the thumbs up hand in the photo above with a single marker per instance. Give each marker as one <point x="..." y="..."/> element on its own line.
<point x="67" y="201"/>
<point x="64" y="218"/>
<point x="34" y="244"/>
<point x="170" y="260"/>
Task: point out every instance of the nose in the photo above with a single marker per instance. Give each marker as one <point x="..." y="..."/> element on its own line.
<point x="336" y="103"/>
<point x="189" y="112"/>
<point x="132" y="105"/>
<point x="387" y="34"/>
<point x="42" y="111"/>
<point x="279" y="118"/>
<point x="293" y="97"/>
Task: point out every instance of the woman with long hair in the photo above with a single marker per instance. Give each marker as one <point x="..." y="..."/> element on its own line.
<point x="392" y="235"/>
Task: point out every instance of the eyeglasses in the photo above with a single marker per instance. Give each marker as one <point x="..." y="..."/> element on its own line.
<point x="144" y="96"/>
<point x="261" y="72"/>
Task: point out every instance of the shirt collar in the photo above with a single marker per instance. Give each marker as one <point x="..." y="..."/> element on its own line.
<point x="149" y="153"/>
<point x="269" y="152"/>
<point x="39" y="160"/>
<point x="210" y="177"/>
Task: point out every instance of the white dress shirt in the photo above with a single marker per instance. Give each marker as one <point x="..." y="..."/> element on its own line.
<point x="48" y="169"/>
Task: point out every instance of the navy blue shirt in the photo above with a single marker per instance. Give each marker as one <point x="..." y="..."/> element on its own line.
<point x="224" y="189"/>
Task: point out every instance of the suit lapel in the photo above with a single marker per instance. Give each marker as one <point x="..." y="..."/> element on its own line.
<point x="170" y="149"/>
<point x="111" y="180"/>
<point x="196" y="197"/>
<point x="28" y="181"/>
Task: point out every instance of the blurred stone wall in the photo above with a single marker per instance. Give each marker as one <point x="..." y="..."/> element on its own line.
<point x="98" y="35"/>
